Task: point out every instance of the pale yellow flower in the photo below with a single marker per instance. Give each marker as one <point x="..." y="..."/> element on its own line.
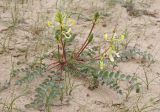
<point x="69" y="31"/>
<point x="68" y="37"/>
<point x="117" y="54"/>
<point x="101" y="64"/>
<point x="111" y="57"/>
<point x="49" y="23"/>
<point x="71" y="22"/>
<point x="106" y="36"/>
<point x="110" y="54"/>
<point x="122" y="37"/>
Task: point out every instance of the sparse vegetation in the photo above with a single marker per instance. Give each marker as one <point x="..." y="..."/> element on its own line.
<point x="74" y="54"/>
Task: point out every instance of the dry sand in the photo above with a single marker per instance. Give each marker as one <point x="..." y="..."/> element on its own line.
<point x="144" y="31"/>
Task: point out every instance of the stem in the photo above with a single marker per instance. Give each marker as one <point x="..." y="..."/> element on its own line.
<point x="13" y="101"/>
<point x="82" y="49"/>
<point x="147" y="82"/>
<point x="128" y="93"/>
<point x="99" y="57"/>
<point x="63" y="46"/>
<point x="53" y="67"/>
<point x="86" y="41"/>
<point x="53" y="63"/>
<point x="58" y="54"/>
<point x="146" y="77"/>
<point x="47" y="105"/>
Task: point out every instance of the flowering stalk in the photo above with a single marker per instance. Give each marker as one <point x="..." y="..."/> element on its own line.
<point x="89" y="37"/>
<point x="63" y="45"/>
<point x="85" y="44"/>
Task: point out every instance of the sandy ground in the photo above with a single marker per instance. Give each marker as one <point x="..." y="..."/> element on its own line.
<point x="144" y="31"/>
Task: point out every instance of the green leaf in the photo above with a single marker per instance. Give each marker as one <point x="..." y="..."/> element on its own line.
<point x="117" y="75"/>
<point x="111" y="74"/>
<point x="60" y="17"/>
<point x="128" y="77"/>
<point x="122" y="76"/>
<point x="90" y="38"/>
<point x="106" y="74"/>
<point x="96" y="16"/>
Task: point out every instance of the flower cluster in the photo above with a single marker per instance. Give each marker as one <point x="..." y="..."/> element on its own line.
<point x="63" y="26"/>
<point x="112" y="50"/>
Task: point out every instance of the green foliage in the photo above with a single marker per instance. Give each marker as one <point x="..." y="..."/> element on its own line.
<point x="96" y="16"/>
<point x="30" y="74"/>
<point x="60" y="17"/>
<point x="112" y="80"/>
<point x="90" y="38"/>
<point x="47" y="92"/>
<point x="77" y="63"/>
<point x="132" y="53"/>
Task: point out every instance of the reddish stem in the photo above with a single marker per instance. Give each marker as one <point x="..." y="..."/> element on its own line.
<point x="86" y="41"/>
<point x="53" y="63"/>
<point x="53" y="67"/>
<point x="63" y="46"/>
